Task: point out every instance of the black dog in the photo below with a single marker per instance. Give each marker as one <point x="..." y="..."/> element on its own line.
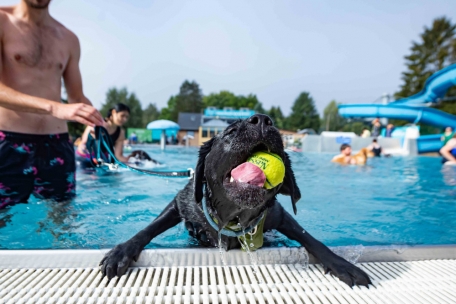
<point x="226" y="201"/>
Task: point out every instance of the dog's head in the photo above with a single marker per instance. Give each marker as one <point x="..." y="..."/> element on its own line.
<point x="224" y="152"/>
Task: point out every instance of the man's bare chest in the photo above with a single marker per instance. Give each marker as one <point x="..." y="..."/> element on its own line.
<point x="33" y="48"/>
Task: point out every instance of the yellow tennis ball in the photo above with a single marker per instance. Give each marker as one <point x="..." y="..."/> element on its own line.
<point x="272" y="166"/>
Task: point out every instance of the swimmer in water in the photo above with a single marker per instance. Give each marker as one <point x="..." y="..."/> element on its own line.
<point x="346" y="158"/>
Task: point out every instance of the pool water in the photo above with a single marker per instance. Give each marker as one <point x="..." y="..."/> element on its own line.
<point x="397" y="200"/>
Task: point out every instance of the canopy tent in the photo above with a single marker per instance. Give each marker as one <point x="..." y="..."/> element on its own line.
<point x="163" y="125"/>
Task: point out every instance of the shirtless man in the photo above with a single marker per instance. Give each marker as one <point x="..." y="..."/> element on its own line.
<point x="346" y="158"/>
<point x="35" y="153"/>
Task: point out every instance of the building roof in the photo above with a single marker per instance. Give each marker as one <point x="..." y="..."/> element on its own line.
<point x="189" y="121"/>
<point x="215" y="123"/>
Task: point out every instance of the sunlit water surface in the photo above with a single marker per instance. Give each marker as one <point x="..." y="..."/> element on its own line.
<point x="397" y="200"/>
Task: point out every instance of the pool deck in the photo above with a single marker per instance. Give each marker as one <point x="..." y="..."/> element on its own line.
<point x="400" y="274"/>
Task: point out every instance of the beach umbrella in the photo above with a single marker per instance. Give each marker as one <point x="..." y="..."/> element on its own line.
<point x="163" y="125"/>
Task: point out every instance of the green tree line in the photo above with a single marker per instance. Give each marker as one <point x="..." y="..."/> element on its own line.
<point x="434" y="50"/>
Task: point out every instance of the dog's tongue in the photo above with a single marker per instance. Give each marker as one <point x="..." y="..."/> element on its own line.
<point x="248" y="173"/>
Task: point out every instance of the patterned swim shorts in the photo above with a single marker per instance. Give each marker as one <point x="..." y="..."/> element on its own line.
<point x="40" y="164"/>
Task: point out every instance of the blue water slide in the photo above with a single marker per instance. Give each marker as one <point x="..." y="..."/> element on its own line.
<point x="414" y="108"/>
<point x="435" y="88"/>
<point x="429" y="116"/>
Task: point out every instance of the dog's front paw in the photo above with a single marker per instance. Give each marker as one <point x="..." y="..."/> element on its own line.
<point x="348" y="273"/>
<point x="117" y="260"/>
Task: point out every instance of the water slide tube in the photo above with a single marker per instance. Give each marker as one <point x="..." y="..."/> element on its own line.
<point x="435" y="88"/>
<point x="413" y="108"/>
<point x="425" y="115"/>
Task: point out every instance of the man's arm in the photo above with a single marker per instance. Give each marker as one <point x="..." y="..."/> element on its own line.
<point x="72" y="75"/>
<point x="17" y="101"/>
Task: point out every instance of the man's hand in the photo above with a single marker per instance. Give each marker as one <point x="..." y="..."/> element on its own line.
<point x="80" y="112"/>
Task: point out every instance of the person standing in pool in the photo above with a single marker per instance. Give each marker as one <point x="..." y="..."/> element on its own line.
<point x="37" y="52"/>
<point x="115" y="119"/>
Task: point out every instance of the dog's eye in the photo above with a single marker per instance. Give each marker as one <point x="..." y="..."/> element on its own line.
<point x="230" y="131"/>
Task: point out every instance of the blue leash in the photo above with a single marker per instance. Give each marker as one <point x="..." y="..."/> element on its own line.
<point x="103" y="138"/>
<point x="229" y="232"/>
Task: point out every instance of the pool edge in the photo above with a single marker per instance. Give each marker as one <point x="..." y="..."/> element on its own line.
<point x="72" y="258"/>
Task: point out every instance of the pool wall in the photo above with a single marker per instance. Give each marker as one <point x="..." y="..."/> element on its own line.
<point x="10" y="259"/>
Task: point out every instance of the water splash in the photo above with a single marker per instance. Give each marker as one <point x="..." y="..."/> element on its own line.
<point x="350" y="253"/>
<point x="253" y="260"/>
<point x="221" y="249"/>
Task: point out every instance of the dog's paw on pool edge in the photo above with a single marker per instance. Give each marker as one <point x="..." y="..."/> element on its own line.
<point x="118" y="259"/>
<point x="348" y="273"/>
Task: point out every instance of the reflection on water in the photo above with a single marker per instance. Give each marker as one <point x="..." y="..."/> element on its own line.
<point x="397" y="200"/>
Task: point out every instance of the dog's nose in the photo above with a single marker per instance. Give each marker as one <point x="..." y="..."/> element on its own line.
<point x="260" y="120"/>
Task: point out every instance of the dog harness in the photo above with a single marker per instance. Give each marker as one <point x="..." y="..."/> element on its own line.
<point x="251" y="237"/>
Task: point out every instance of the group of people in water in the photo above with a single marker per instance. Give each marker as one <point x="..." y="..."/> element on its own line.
<point x="448" y="151"/>
<point x="346" y="158"/>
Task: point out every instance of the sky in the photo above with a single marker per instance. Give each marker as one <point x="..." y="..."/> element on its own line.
<point x="351" y="51"/>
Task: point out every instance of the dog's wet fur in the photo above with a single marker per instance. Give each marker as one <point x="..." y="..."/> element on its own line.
<point x="231" y="201"/>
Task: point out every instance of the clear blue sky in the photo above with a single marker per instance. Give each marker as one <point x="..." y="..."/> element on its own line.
<point x="350" y="51"/>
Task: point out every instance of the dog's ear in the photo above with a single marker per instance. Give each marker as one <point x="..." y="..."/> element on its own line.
<point x="289" y="186"/>
<point x="199" y="171"/>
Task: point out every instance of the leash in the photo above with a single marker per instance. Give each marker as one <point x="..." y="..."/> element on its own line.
<point x="104" y="140"/>
<point x="229" y="232"/>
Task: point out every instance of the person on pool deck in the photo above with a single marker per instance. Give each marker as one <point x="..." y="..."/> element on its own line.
<point x="376" y="127"/>
<point x="447" y="135"/>
<point x="36" y="53"/>
<point x="115" y="119"/>
<point x="449" y="151"/>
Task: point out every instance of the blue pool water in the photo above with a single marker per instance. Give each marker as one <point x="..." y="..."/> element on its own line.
<point x="397" y="200"/>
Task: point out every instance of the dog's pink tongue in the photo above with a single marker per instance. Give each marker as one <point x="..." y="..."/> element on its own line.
<point x="248" y="173"/>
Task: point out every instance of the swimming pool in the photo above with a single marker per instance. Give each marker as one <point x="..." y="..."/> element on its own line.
<point x="397" y="200"/>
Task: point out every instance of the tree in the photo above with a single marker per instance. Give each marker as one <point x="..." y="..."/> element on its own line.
<point x="258" y="108"/>
<point x="332" y="121"/>
<point x="115" y="96"/>
<point x="277" y="117"/>
<point x="151" y="113"/>
<point x="228" y="99"/>
<point x="220" y="100"/>
<point x="303" y="114"/>
<point x="189" y="99"/>
<point x="165" y="113"/>
<point x="435" y="50"/>
<point x="355" y="126"/>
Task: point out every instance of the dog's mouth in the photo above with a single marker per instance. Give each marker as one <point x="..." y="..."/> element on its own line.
<point x="244" y="181"/>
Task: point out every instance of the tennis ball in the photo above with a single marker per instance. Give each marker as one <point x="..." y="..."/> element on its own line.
<point x="272" y="166"/>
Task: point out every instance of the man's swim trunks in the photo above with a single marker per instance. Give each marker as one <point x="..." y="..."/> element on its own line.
<point x="40" y="164"/>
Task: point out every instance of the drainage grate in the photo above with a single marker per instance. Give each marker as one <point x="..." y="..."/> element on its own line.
<point x="394" y="282"/>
